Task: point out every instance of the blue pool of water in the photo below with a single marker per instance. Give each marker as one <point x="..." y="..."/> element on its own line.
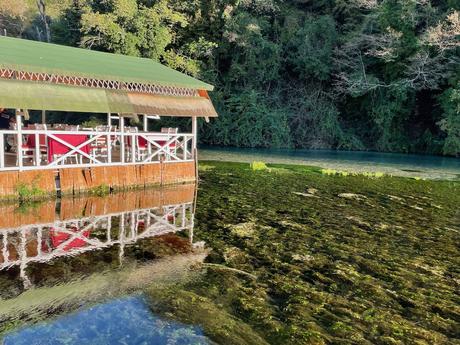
<point x="127" y="320"/>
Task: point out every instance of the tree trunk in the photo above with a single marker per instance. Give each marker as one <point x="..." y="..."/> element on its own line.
<point x="42" y="10"/>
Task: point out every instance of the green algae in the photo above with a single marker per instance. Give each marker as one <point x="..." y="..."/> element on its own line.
<point x="338" y="259"/>
<point x="257" y="166"/>
<point x="192" y="308"/>
<point x="298" y="257"/>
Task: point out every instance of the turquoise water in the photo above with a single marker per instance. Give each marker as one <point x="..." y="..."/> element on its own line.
<point x="126" y="320"/>
<point x="361" y="160"/>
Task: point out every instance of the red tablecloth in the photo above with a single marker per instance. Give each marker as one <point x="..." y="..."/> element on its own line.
<point x="31" y="140"/>
<point x="57" y="148"/>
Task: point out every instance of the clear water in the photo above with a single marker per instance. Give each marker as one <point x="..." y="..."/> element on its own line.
<point x="368" y="160"/>
<point x="127" y="320"/>
<point x="73" y="271"/>
<point x="286" y="255"/>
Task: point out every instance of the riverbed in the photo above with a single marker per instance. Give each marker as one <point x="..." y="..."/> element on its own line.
<point x="282" y="255"/>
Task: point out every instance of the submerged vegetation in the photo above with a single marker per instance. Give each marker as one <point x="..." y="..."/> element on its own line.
<point x="338" y="260"/>
<point x="296" y="256"/>
<point x="258" y="166"/>
<point x="347" y="74"/>
<point x="346" y="173"/>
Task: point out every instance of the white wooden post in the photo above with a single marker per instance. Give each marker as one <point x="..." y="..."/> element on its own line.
<point x="2" y="150"/>
<point x="146" y="125"/>
<point x="109" y="229"/>
<point x="109" y="138"/>
<point x="134" y="144"/>
<point x="121" y="120"/>
<point x="37" y="150"/>
<point x="19" y="138"/>
<point x="109" y="146"/>
<point x="43" y="116"/>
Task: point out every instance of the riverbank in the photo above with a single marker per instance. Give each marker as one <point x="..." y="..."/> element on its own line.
<point x="423" y="167"/>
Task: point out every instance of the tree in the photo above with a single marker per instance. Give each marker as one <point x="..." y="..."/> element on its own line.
<point x="44" y="18"/>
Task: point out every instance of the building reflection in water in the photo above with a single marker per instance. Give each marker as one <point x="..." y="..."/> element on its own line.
<point x="72" y="226"/>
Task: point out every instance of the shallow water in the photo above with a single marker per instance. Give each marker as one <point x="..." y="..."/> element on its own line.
<point x="73" y="271"/>
<point x="127" y="320"/>
<point x="409" y="165"/>
<point x="281" y="256"/>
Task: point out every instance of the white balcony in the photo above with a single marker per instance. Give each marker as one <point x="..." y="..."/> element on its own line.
<point x="40" y="148"/>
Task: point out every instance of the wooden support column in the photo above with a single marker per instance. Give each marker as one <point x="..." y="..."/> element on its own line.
<point x="194" y="144"/>
<point x="146" y="123"/>
<point x="43" y="116"/>
<point x="194" y="132"/>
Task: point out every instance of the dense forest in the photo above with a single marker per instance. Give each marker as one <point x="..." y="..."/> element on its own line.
<point x="347" y="74"/>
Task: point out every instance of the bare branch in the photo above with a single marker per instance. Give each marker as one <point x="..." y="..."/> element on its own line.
<point x="445" y="35"/>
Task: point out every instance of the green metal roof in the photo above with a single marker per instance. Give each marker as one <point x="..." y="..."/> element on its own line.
<point x="39" y="57"/>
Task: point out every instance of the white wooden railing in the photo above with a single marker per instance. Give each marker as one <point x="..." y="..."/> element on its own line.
<point x="51" y="149"/>
<point x="34" y="243"/>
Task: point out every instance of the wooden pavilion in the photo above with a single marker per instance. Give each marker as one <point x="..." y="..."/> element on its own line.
<point x="47" y="77"/>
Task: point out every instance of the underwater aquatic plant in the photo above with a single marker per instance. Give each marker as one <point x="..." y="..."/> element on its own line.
<point x="258" y="166"/>
<point x="358" y="263"/>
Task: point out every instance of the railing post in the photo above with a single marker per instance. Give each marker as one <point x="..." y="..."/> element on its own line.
<point x="134" y="145"/>
<point x="122" y="141"/>
<point x="37" y="149"/>
<point x="109" y="147"/>
<point x="2" y="150"/>
<point x="19" y="139"/>
<point x="146" y="126"/>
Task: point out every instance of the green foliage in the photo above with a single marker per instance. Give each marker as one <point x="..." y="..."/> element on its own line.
<point x="309" y="51"/>
<point x="450" y="124"/>
<point x="100" y="190"/>
<point x="248" y="120"/>
<point x="29" y="191"/>
<point x="92" y="122"/>
<point x="307" y="74"/>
